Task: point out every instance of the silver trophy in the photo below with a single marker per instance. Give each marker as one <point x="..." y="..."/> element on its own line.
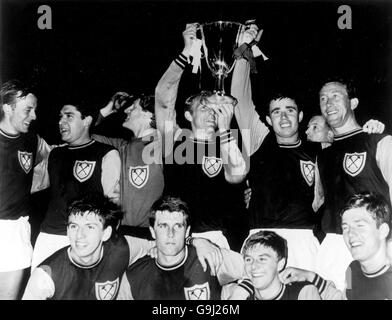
<point x="219" y="40"/>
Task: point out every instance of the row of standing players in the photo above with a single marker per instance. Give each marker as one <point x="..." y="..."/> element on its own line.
<point x="288" y="186"/>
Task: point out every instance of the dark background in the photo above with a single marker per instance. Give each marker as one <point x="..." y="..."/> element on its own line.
<point x="96" y="48"/>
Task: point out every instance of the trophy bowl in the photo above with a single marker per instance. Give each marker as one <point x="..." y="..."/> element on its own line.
<point x="219" y="40"/>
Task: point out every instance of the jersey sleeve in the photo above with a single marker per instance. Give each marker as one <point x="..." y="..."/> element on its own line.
<point x="318" y="190"/>
<point x="125" y="292"/>
<point x="115" y="142"/>
<point x="327" y="289"/>
<point x="41" y="175"/>
<point x="384" y="160"/>
<point x="232" y="267"/>
<point x="165" y="100"/>
<point x="253" y="130"/>
<point x="138" y="247"/>
<point x="309" y="292"/>
<point x="40" y="286"/>
<point x="111" y="170"/>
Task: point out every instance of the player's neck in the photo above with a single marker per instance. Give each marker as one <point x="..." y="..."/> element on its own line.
<point x="170" y="261"/>
<point x="350" y="125"/>
<point x="145" y="132"/>
<point x="287" y="140"/>
<point x="8" y="128"/>
<point x="325" y="145"/>
<point x="376" y="262"/>
<point x="88" y="261"/>
<point x="271" y="292"/>
<point x="81" y="141"/>
<point x="203" y="134"/>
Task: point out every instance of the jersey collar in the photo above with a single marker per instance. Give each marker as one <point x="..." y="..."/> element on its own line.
<point x="291" y="145"/>
<point x="9" y="135"/>
<point x="176" y="266"/>
<point x="81" y="266"/>
<point x="82" y="145"/>
<point x="348" y="134"/>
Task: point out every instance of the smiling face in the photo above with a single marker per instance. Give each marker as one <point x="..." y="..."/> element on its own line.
<point x="284" y="118"/>
<point x="73" y="129"/>
<point x="362" y="236"/>
<point x="170" y="231"/>
<point x="22" y="113"/>
<point x="262" y="266"/>
<point x="335" y="104"/>
<point x="86" y="234"/>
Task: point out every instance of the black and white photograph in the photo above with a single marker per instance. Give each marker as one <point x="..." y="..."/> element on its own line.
<point x="195" y="150"/>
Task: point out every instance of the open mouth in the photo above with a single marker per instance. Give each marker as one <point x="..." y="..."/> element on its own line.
<point x="63" y="130"/>
<point x="285" y="125"/>
<point x="331" y="112"/>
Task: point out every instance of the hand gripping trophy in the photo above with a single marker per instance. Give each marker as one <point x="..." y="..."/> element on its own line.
<point x="218" y="42"/>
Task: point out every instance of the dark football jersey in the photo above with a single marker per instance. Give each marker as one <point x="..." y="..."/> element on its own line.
<point x="73" y="171"/>
<point x="185" y="281"/>
<point x="195" y="173"/>
<point x="282" y="182"/>
<point x="361" y="286"/>
<point x="17" y="158"/>
<point x="98" y="282"/>
<point x="347" y="167"/>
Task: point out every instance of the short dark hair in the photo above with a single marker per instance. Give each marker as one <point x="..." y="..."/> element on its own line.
<point x="267" y="239"/>
<point x="170" y="204"/>
<point x="108" y="212"/>
<point x="10" y="91"/>
<point x="282" y="94"/>
<point x="374" y="203"/>
<point x="348" y="83"/>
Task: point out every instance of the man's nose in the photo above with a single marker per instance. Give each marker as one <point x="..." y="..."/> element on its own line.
<point x="33" y="116"/>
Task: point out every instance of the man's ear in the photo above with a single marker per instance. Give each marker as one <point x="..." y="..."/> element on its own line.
<point x="330" y="135"/>
<point x="188" y="116"/>
<point x="107" y="232"/>
<point x="152" y="232"/>
<point x="384" y="230"/>
<point x="300" y="116"/>
<point x="354" y="103"/>
<point x="268" y="120"/>
<point x="188" y="229"/>
<point x="87" y="121"/>
<point x="7" y="108"/>
<point x="281" y="264"/>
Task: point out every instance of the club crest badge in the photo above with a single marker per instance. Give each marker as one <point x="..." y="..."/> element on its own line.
<point x="198" y="292"/>
<point x="211" y="166"/>
<point x="138" y="176"/>
<point x="107" y="290"/>
<point x="307" y="170"/>
<point x="25" y="160"/>
<point x="83" y="170"/>
<point x="353" y="163"/>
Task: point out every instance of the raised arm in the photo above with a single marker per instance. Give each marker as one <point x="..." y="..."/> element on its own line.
<point x="167" y="87"/>
<point x="252" y="128"/>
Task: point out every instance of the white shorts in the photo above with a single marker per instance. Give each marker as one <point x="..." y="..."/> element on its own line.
<point x="216" y="237"/>
<point x="302" y="246"/>
<point x="15" y="244"/>
<point x="46" y="245"/>
<point x="333" y="259"/>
